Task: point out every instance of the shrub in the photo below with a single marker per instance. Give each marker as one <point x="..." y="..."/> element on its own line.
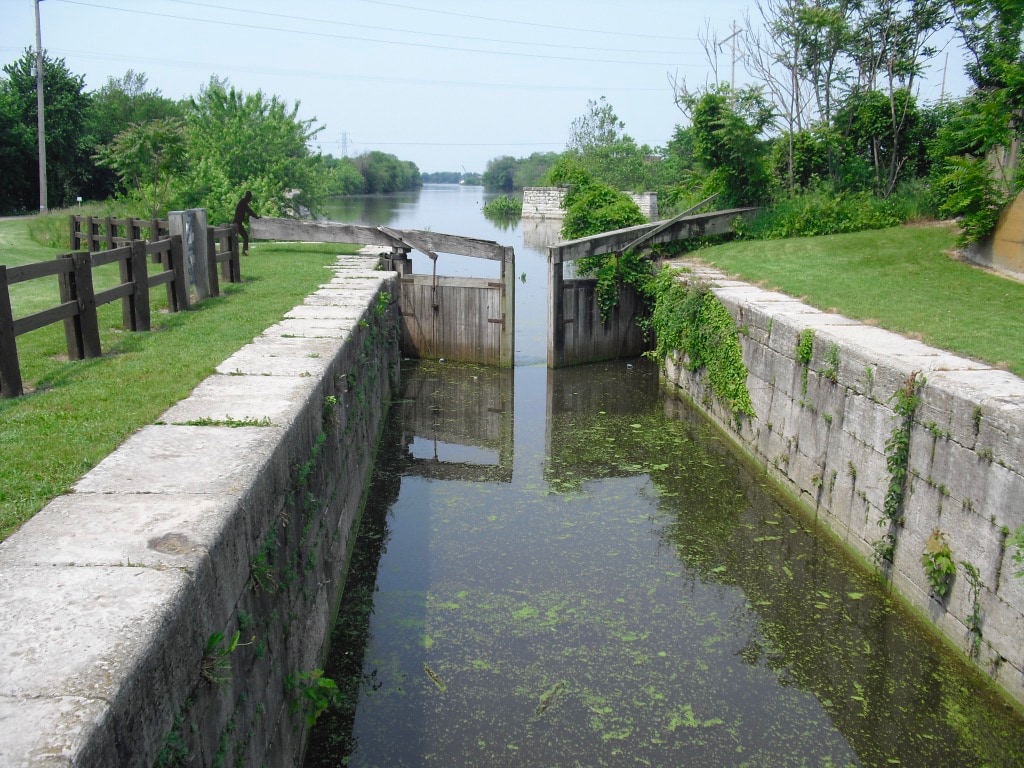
<point x="504" y="206"/>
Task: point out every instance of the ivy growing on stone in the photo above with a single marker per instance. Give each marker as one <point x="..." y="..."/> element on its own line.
<point x="689" y="319"/>
<point x="937" y="560"/>
<point x="897" y="448"/>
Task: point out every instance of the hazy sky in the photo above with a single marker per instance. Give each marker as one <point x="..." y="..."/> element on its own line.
<point x="448" y="84"/>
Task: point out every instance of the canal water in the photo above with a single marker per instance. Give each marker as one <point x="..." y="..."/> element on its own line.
<point x="572" y="568"/>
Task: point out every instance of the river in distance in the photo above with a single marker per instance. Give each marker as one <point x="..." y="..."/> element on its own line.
<point x="573" y="568"/>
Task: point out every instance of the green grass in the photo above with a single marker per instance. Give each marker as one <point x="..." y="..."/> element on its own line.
<point x="78" y="412"/>
<point x="903" y="279"/>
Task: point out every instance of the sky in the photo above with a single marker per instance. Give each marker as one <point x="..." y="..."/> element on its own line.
<point x="447" y="84"/>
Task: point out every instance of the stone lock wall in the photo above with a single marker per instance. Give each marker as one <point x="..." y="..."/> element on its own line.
<point x="546" y="203"/>
<point x="822" y="428"/>
<point x="171" y="607"/>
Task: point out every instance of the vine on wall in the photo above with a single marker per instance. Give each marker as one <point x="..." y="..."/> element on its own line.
<point x="897" y="462"/>
<point x="690" y="319"/>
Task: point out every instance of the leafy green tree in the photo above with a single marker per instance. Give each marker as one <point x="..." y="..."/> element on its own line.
<point x="118" y="105"/>
<point x="65" y="104"/>
<point x="239" y="142"/>
<point x="17" y="156"/>
<point x="384" y="173"/>
<point x="500" y="173"/>
<point x="530" y="170"/>
<point x="976" y="167"/>
<point x="604" y="150"/>
<point x="344" y="177"/>
<point x="147" y="157"/>
<point x="727" y="128"/>
<point x="884" y="131"/>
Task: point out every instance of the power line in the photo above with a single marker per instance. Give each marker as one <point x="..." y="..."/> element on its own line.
<point x="341" y="77"/>
<point x="524" y="23"/>
<point x="362" y="39"/>
<point x="398" y="30"/>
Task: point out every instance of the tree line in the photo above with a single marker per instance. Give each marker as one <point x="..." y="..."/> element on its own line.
<point x="832" y="118"/>
<point x="153" y="154"/>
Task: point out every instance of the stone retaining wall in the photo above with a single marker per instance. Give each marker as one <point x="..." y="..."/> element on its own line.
<point x="120" y="602"/>
<point x="546" y="203"/>
<point x="822" y="430"/>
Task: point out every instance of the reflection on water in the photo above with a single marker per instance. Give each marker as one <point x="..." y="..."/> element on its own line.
<point x="619" y="589"/>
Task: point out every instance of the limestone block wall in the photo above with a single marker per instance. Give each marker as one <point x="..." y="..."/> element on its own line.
<point x="169" y="607"/>
<point x="543" y="202"/>
<point x="546" y="203"/>
<point x="821" y="429"/>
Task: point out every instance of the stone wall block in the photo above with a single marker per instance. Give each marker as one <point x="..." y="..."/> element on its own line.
<point x="1001" y="433"/>
<point x="868" y="421"/>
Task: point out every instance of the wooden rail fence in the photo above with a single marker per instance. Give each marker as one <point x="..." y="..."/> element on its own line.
<point x="99" y="233"/>
<point x="79" y="300"/>
<point x="102" y="233"/>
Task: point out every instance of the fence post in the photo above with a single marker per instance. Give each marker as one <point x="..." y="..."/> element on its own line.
<point x="234" y="266"/>
<point x="124" y="269"/>
<point x="211" y="262"/>
<point x="10" y="368"/>
<point x="86" y="322"/>
<point x="72" y="326"/>
<point x="87" y="305"/>
<point x="139" y="276"/>
<point x="93" y="240"/>
<point x="73" y="233"/>
<point x="179" y="286"/>
<point x="108" y="225"/>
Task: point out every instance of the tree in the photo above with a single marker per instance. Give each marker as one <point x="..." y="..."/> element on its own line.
<point x="384" y="173"/>
<point x="344" y="177"/>
<point x="604" y="150"/>
<point x="18" y="165"/>
<point x="883" y="129"/>
<point x="890" y="45"/>
<point x="239" y="142"/>
<point x="500" y="173"/>
<point x="65" y="104"/>
<point x="117" y="106"/>
<point x="976" y="152"/>
<point x="727" y="128"/>
<point x="530" y="170"/>
<point x="147" y="157"/>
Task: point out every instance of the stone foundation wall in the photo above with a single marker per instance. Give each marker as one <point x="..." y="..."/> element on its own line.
<point x="170" y="606"/>
<point x="822" y="429"/>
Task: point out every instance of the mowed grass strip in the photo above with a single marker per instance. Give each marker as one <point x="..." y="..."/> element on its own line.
<point x="904" y="279"/>
<point x="76" y="413"/>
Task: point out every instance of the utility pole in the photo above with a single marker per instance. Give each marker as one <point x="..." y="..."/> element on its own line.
<point x="942" y="93"/>
<point x="735" y="31"/>
<point x="41" y="122"/>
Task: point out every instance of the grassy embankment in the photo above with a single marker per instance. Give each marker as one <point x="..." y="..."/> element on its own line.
<point x="903" y="279"/>
<point x="75" y="413"/>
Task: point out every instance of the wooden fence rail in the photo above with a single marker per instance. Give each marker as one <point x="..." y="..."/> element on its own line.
<point x="79" y="300"/>
<point x="102" y="233"/>
<point x="222" y="248"/>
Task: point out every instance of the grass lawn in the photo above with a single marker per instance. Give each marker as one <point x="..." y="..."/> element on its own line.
<point x="902" y="279"/>
<point x="78" y="412"/>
